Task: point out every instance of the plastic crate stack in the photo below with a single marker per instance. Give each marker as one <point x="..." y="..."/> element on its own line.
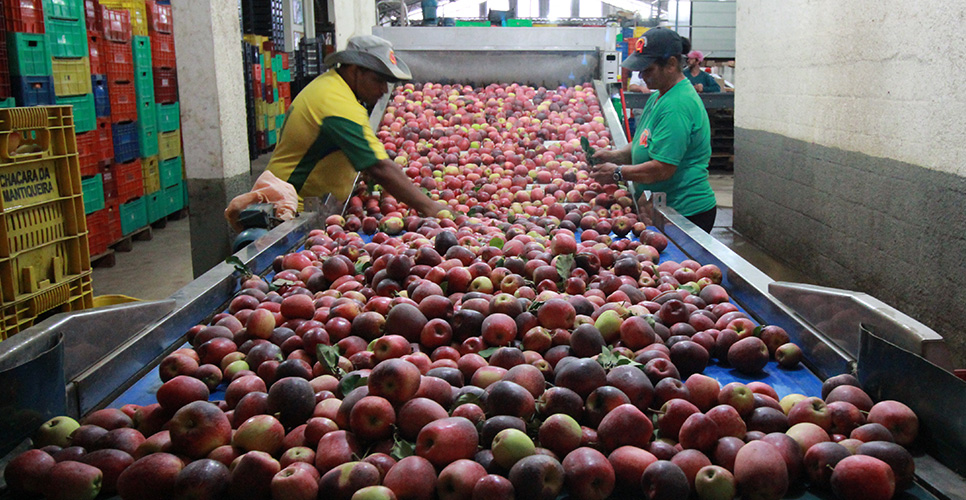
<point x="65" y="22"/>
<point x="170" y="194"/>
<point x="309" y="58"/>
<point x="6" y="94"/>
<point x="28" y="54"/>
<point x="271" y="91"/>
<point x="264" y="17"/>
<point x="250" y="60"/>
<point x="44" y="261"/>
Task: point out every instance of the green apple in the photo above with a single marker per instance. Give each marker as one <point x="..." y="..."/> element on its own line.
<point x="373" y="493"/>
<point x="714" y="483"/>
<point x="510" y="445"/>
<point x="55" y="431"/>
<point x="789" y="401"/>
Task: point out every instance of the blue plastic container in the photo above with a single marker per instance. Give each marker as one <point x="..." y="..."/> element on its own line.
<point x="33" y="90"/>
<point x="102" y="100"/>
<point x="126" y="145"/>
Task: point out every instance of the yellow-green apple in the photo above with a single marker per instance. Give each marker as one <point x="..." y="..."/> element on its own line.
<point x="377" y="492"/>
<point x="588" y="474"/>
<point x="509" y="446"/>
<point x="863" y="477"/>
<point x="198" y="428"/>
<point x="760" y="471"/>
<point x="714" y="483"/>
<point x="260" y="433"/>
<point x="790" y="400"/>
<point x="560" y="433"/>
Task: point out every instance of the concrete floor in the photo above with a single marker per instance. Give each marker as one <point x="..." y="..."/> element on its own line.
<point x="157" y="268"/>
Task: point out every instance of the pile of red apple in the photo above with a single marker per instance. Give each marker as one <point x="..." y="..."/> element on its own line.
<point x="489" y="353"/>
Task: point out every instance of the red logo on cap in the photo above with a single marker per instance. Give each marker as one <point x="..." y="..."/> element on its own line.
<point x="392" y="57"/>
<point x="641" y="43"/>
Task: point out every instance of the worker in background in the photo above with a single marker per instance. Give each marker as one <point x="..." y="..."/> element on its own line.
<point x="327" y="139"/>
<point x="703" y="82"/>
<point x="672" y="145"/>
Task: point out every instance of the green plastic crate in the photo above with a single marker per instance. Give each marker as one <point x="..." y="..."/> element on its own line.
<point x="277" y="62"/>
<point x="170" y="171"/>
<point x="155" y="205"/>
<point x="284" y="75"/>
<point x="279" y="121"/>
<point x="134" y="216"/>
<point x="93" y="189"/>
<point x="144" y="84"/>
<point x="85" y="113"/>
<point x="519" y="23"/>
<point x="142" y="52"/>
<point x="272" y="137"/>
<point x="481" y="24"/>
<point x="67" y="38"/>
<point x="274" y="95"/>
<point x="148" y="130"/>
<point x="28" y="54"/>
<point x="174" y="198"/>
<point x="64" y="9"/>
<point x="169" y="117"/>
<point x="9" y="102"/>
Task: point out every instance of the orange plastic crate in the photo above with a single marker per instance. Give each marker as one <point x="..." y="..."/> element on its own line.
<point x="162" y="50"/>
<point x="159" y="17"/>
<point x="119" y="59"/>
<point x="24" y="16"/>
<point x="124" y="105"/>
<point x="105" y="141"/>
<point x="98" y="232"/>
<point x="117" y="25"/>
<point x="87" y="154"/>
<point x="129" y="180"/>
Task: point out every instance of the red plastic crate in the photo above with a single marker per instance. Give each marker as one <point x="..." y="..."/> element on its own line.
<point x="24" y="16"/>
<point x="105" y="141"/>
<point x="159" y="17"/>
<point x="165" y="85"/>
<point x="162" y="50"/>
<point x="113" y="220"/>
<point x="124" y="101"/>
<point x="129" y="181"/>
<point x="117" y="25"/>
<point x="95" y="47"/>
<point x="284" y="90"/>
<point x="98" y="231"/>
<point x="285" y="60"/>
<point x="5" y="91"/>
<point x="119" y="59"/>
<point x="88" y="154"/>
<point x="92" y="15"/>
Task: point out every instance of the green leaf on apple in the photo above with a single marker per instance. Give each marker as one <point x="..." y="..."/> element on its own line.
<point x="362" y="264"/>
<point x="588" y="151"/>
<point x="351" y="382"/>
<point x="650" y="319"/>
<point x="691" y="287"/>
<point x="239" y="266"/>
<point x="607" y="359"/>
<point x="466" y="398"/>
<point x="328" y="355"/>
<point x="402" y="448"/>
<point x="757" y="331"/>
<point x="279" y="283"/>
<point x="497" y="242"/>
<point x="444" y="286"/>
<point x="486" y="353"/>
<point x="565" y="263"/>
<point x="535" y="305"/>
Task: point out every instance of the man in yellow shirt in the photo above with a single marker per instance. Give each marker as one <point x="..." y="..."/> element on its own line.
<point x="326" y="137"/>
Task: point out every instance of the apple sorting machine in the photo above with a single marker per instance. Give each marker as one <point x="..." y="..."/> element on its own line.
<point x="75" y="363"/>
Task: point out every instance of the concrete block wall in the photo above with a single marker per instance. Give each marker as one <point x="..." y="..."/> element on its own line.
<point x="850" y="148"/>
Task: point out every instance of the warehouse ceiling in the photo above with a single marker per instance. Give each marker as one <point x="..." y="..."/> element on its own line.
<point x="390" y="11"/>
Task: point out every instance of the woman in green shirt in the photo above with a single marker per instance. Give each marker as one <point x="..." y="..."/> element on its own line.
<point x="672" y="146"/>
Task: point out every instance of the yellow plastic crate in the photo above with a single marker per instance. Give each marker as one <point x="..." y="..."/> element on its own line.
<point x="43" y="231"/>
<point x="73" y="295"/>
<point x="139" y="15"/>
<point x="151" y="174"/>
<point x="169" y="145"/>
<point x="72" y="77"/>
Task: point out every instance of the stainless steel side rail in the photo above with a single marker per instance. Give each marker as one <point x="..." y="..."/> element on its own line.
<point x="748" y="286"/>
